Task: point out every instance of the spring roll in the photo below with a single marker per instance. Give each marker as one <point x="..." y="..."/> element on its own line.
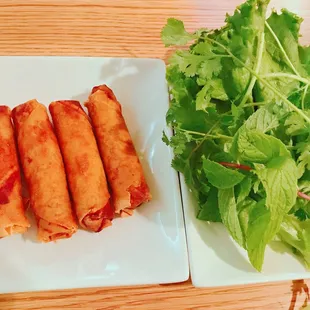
<point x="12" y="213"/>
<point x="83" y="165"/>
<point x="44" y="172"/>
<point x="123" y="168"/>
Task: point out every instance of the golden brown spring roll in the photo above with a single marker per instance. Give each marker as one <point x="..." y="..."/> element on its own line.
<point x="85" y="173"/>
<point x="12" y="213"/>
<point x="44" y="172"/>
<point x="122" y="165"/>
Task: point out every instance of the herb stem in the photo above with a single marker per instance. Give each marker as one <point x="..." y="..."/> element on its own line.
<point x="287" y="75"/>
<point x="248" y="168"/>
<point x="219" y="136"/>
<point x="281" y="48"/>
<point x="192" y="132"/>
<point x="206" y="135"/>
<point x="237" y="166"/>
<point x="203" y="140"/>
<point x="222" y="56"/>
<point x="304" y="97"/>
<point x="303" y="195"/>
<point x="291" y="147"/>
<point x="289" y="103"/>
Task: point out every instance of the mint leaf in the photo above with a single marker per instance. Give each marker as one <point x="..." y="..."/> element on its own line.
<point x="245" y="208"/>
<point x="174" y="33"/>
<point x="220" y="176"/>
<point x="210" y="210"/>
<point x="229" y="214"/>
<point x="263" y="120"/>
<point x="296" y="125"/>
<point x="257" y="147"/>
<point x="242" y="190"/>
<point x="261" y="230"/>
<point x="279" y="178"/>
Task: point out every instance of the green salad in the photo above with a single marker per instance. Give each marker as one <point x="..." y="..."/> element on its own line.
<point x="240" y="113"/>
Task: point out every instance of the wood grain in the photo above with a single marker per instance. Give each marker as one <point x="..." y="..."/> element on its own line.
<point x="130" y="28"/>
<point x="108" y="27"/>
<point x="175" y="296"/>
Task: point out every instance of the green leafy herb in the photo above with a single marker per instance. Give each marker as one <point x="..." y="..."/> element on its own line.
<point x="174" y="33"/>
<point x="296" y="234"/>
<point x="261" y="230"/>
<point x="219" y="176"/>
<point x="210" y="210"/>
<point x="229" y="214"/>
<point x="279" y="178"/>
<point x="240" y="100"/>
<point x="256" y="147"/>
<point x="263" y="120"/>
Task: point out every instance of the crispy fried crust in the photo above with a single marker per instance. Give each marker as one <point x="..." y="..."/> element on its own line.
<point x="44" y="172"/>
<point x="122" y="165"/>
<point x="12" y="214"/>
<point x="85" y="173"/>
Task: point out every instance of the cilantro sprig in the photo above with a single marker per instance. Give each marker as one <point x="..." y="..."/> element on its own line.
<point x="240" y="113"/>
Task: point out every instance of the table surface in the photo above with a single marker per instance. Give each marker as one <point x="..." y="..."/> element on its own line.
<point x="130" y="28"/>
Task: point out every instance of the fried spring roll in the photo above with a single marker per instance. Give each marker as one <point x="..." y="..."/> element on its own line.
<point x="85" y="173"/>
<point x="122" y="165"/>
<point x="12" y="213"/>
<point x="44" y="172"/>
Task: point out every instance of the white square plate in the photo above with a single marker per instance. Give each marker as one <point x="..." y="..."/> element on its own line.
<point x="217" y="260"/>
<point x="147" y="248"/>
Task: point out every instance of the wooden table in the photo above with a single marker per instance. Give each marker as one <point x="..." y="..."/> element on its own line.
<point x="129" y="28"/>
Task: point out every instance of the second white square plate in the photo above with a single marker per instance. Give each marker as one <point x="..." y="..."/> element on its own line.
<point x="147" y="248"/>
<point x="217" y="260"/>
